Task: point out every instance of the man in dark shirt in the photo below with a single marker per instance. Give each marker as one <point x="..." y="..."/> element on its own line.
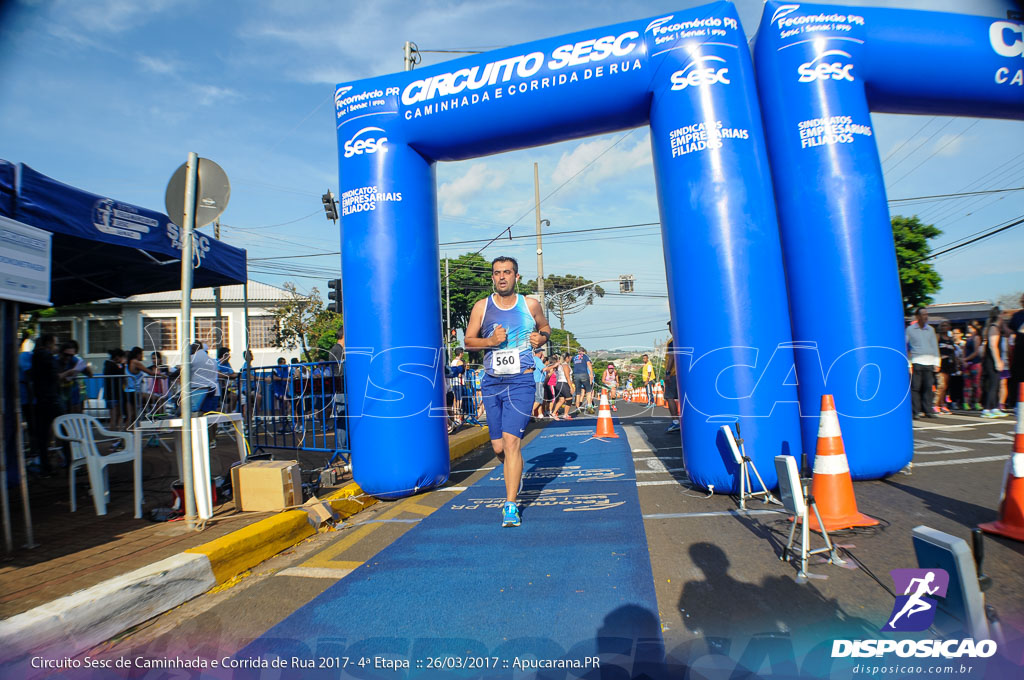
<point x="1016" y="324"/>
<point x="338" y="370"/>
<point x="45" y="383"/>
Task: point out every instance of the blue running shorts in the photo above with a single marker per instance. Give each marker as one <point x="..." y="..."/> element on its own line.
<point x="508" y="401"/>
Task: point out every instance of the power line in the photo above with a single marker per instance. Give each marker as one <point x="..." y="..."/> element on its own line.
<point x="478" y="240"/>
<point x="950" y="196"/>
<point x="556" y="190"/>
<point x="281" y="224"/>
<point x="974" y="240"/>
<point x="927" y="158"/>
<point x="921" y="145"/>
<point x="907" y="140"/>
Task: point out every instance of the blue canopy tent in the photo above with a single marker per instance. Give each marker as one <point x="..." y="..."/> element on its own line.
<point x="100" y="248"/>
<point x="105" y="248"/>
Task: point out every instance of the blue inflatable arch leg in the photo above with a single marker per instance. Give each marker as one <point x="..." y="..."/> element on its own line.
<point x="821" y="70"/>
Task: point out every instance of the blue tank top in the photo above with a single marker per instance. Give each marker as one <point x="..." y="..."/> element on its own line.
<point x="518" y="322"/>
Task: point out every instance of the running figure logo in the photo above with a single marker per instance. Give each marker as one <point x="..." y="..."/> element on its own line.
<point x="914" y="610"/>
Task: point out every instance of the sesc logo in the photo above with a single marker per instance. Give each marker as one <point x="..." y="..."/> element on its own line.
<point x="697" y="73"/>
<point x="357" y="147"/>
<point x="817" y="69"/>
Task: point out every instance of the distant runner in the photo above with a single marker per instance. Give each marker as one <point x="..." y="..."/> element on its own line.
<point x="611" y="381"/>
<point x="648" y="376"/>
<point x="583" y="380"/>
<point x="507" y="326"/>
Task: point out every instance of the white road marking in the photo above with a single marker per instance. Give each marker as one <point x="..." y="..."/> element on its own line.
<point x="960" y="427"/>
<point x="721" y="513"/>
<point x="315" y="572"/>
<point x="638" y="442"/>
<point x="960" y="461"/>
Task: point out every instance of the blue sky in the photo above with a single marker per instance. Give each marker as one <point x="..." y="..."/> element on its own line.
<point x="111" y="95"/>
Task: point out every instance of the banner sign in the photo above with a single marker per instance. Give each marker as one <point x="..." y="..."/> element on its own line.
<point x="24" y="263"/>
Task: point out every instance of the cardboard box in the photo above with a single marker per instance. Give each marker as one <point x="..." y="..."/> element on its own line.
<point x="318" y="512"/>
<point x="267" y="485"/>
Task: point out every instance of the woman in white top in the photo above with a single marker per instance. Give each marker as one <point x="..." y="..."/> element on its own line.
<point x="563" y="388"/>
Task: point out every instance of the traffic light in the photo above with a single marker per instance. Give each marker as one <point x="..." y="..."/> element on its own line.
<point x="334" y="295"/>
<point x="626" y="283"/>
<point x="330" y="206"/>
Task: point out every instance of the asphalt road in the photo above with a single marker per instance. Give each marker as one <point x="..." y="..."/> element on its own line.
<point x="719" y="582"/>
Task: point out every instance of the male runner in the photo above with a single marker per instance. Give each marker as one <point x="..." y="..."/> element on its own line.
<point x="648" y="375"/>
<point x="672" y="385"/>
<point x="583" y="379"/>
<point x="507" y="326"/>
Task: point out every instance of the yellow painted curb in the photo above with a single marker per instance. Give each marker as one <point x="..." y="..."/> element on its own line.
<point x="465" y="444"/>
<point x="349" y="500"/>
<point x="245" y="548"/>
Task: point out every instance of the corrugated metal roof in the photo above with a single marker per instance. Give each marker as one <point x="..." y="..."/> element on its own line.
<point x="258" y="292"/>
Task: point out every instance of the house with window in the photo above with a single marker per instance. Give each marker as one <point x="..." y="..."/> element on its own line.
<point x="153" y="322"/>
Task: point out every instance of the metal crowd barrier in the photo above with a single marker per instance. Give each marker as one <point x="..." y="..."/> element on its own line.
<point x="467" y="406"/>
<point x="297" y="407"/>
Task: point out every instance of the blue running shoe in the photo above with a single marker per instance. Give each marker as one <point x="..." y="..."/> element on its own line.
<point x="510" y="515"/>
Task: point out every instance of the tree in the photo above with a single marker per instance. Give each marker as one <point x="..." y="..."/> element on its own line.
<point x="469" y="280"/>
<point x="302" y="319"/>
<point x="918" y="279"/>
<point x="565" y="294"/>
<point x="1009" y="300"/>
<point x="561" y="340"/>
<point x="323" y="333"/>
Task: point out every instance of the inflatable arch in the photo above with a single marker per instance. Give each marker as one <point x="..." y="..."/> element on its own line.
<point x="689" y="76"/>
<point x="820" y="70"/>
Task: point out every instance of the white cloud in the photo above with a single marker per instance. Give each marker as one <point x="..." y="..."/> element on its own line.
<point x="111" y="16"/>
<point x="950" y="145"/>
<point x="208" y="95"/>
<point x="590" y="163"/>
<point x="454" y="196"/>
<point x="157" y="65"/>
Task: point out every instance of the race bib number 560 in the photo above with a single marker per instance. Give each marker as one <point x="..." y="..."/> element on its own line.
<point x="506" y="362"/>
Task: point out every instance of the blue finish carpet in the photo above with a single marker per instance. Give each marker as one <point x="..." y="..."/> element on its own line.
<point x="572" y="584"/>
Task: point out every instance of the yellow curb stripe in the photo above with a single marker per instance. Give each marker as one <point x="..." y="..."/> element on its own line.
<point x="418" y="509"/>
<point x="325" y="557"/>
<point x="466" y="443"/>
<point x="245" y="548"/>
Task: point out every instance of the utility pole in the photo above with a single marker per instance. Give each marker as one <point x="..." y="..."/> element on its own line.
<point x="218" y="333"/>
<point x="447" y="305"/>
<point x="185" y="377"/>
<point x="410" y="50"/>
<point x="540" y="250"/>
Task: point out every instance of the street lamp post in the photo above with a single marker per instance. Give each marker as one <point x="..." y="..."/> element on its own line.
<point x="558" y="294"/>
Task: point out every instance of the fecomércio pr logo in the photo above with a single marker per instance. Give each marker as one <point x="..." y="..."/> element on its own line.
<point x="915" y="608"/>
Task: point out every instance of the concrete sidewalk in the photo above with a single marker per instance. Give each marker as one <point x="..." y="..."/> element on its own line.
<point x="139" y="568"/>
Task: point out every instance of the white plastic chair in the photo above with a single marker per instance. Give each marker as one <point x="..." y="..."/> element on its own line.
<point x="78" y="430"/>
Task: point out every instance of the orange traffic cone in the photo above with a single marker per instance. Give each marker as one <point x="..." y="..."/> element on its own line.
<point x="605" y="428"/>
<point x="1011" y="507"/>
<point x="832" y="486"/>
